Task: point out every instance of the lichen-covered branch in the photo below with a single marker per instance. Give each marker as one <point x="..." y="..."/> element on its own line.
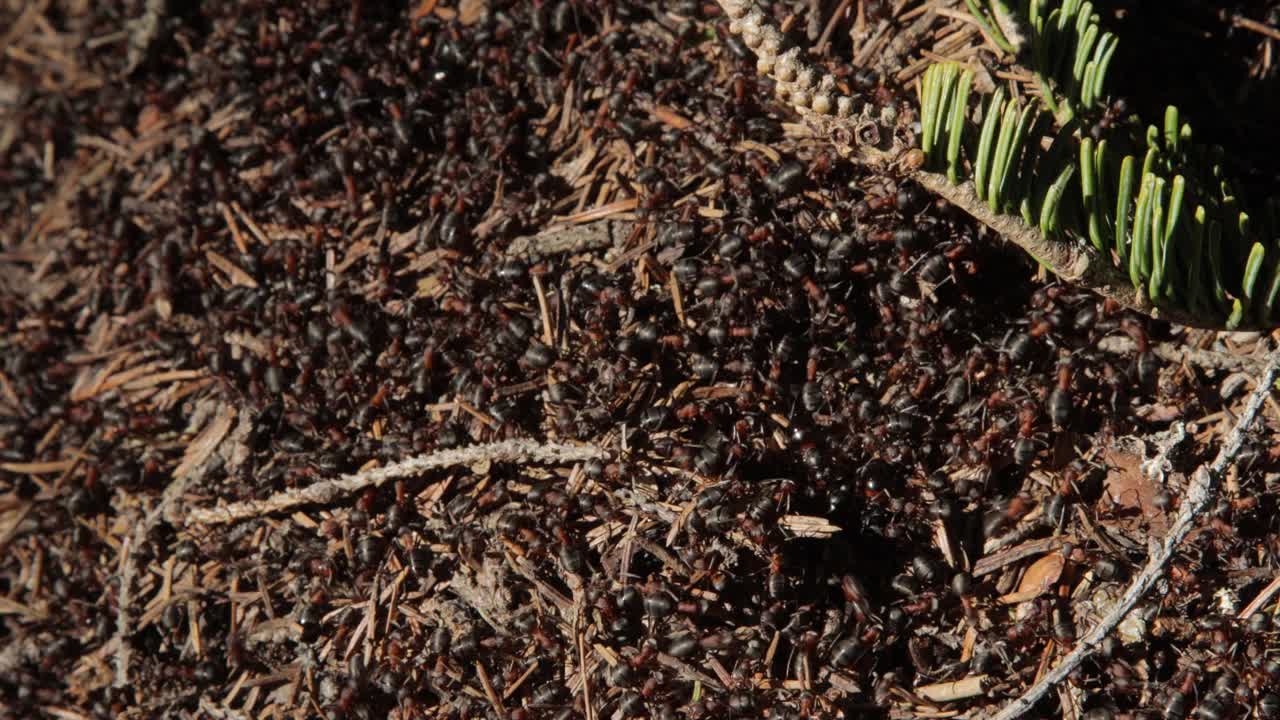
<point x="510" y="451"/>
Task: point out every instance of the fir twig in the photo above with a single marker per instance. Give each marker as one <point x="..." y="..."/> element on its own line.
<point x="508" y="451"/>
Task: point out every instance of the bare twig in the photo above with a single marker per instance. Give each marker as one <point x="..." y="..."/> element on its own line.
<point x="961" y="689"/>
<point x="563" y="604"/>
<point x="193" y="460"/>
<point x="573" y="239"/>
<point x="1263" y="597"/>
<point x="992" y="562"/>
<point x="820" y="47"/>
<point x="688" y="671"/>
<point x="123" y="624"/>
<point x="583" y="667"/>
<point x="510" y="451"/>
<point x="1179" y="353"/>
<point x="1255" y="26"/>
<point x="1198" y="494"/>
<point x="487" y="684"/>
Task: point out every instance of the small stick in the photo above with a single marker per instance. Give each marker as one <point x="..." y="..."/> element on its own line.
<point x="509" y="451"/>
<point x="1178" y="353"/>
<point x="554" y="596"/>
<point x="688" y="671"/>
<point x="825" y="38"/>
<point x="123" y="626"/>
<point x="573" y="239"/>
<point x="1197" y="497"/>
<point x="1255" y="26"/>
<point x="547" y="336"/>
<point x="583" y="667"/>
<point x="487" y="684"/>
<point x="968" y="687"/>
<point x="513" y="687"/>
<point x="677" y="299"/>
<point x="236" y="235"/>
<point x="1267" y="593"/>
<point x="988" y="564"/>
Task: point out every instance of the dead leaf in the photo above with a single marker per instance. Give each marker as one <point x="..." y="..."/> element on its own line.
<point x="430" y="287"/>
<point x="1128" y="487"/>
<point x="150" y="117"/>
<point x="423" y="9"/>
<point x="1037" y="580"/>
<point x="230" y="269"/>
<point x="206" y="442"/>
<point x="470" y="11"/>
<point x="670" y="117"/>
<point x="1160" y="413"/>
